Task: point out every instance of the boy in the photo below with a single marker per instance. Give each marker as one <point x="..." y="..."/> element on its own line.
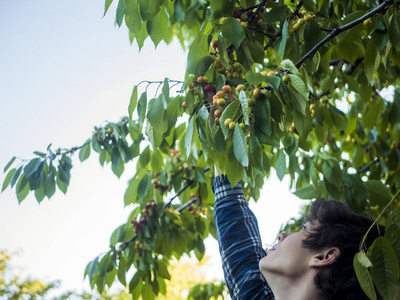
<point x="314" y="263"/>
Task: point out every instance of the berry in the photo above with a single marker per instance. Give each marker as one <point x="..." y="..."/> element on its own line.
<point x="221" y="102"/>
<point x="271" y="73"/>
<point x="232" y="125"/>
<point x="218" y="113"/>
<point x="250" y="102"/>
<point x="184" y="105"/>
<point x="227" y="89"/>
<point x="367" y="22"/>
<point x="239" y="87"/>
<point x="220" y="94"/>
<point x="214" y="44"/>
<point x="256" y="92"/>
<point x="285" y="78"/>
<point x="208" y="88"/>
<point x="264" y="73"/>
<point x="242" y="126"/>
<point x="227" y="122"/>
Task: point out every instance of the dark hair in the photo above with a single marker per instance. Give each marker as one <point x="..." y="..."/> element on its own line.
<point x="342" y="228"/>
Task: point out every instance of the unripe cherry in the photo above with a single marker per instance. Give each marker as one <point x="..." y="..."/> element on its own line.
<point x="227" y="122"/>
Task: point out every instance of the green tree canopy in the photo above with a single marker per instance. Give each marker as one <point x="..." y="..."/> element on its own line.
<point x="308" y="88"/>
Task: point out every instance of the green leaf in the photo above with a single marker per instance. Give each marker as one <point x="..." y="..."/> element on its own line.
<point x="16" y="176"/>
<point x="385" y="270"/>
<point x="144" y="158"/>
<point x="107" y="5"/>
<point x="157" y="27"/>
<point x="22" y="188"/>
<point x="280" y="165"/>
<point x="122" y="269"/>
<point x="120" y="12"/>
<point x="332" y="172"/>
<point x="32" y="166"/>
<point x="394" y="32"/>
<point x="147" y="292"/>
<point x="307" y="192"/>
<point x="9" y="164"/>
<point x="115" y="161"/>
<point x="197" y="50"/>
<point x="7" y="180"/>
<point x="233" y="32"/>
<point x="363" y="276"/>
<point x="189" y="135"/>
<point x="132" y="17"/>
<point x="221" y="8"/>
<point x="157" y="115"/>
<point x="144" y="186"/>
<point x="371" y="60"/>
<point x="141" y="108"/>
<point x="49" y="185"/>
<point x="312" y="35"/>
<point x="133" y="102"/>
<point x="157" y="164"/>
<point x="274" y="81"/>
<point x="379" y="194"/>
<point x="162" y="269"/>
<point x="254" y="78"/>
<point x="239" y="146"/>
<point x="84" y="152"/>
<point x="298" y="85"/>
<point x="256" y="152"/>
<point x="244" y="104"/>
<point x="303" y="124"/>
<point x="276" y="14"/>
<point x="38" y="153"/>
<point x="234" y="169"/>
<point x="288" y="65"/>
<point x="363" y="259"/>
<point x="231" y="111"/>
<point x="392" y="233"/>
<point x="282" y="44"/>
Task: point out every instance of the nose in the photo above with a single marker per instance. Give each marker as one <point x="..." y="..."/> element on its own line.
<point x="282" y="236"/>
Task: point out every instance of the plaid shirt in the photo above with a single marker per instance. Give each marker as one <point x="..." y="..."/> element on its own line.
<point x="239" y="243"/>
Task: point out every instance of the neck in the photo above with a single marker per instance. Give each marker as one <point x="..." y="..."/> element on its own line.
<point x="294" y="288"/>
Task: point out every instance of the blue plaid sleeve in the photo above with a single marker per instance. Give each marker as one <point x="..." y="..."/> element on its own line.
<point x="239" y="243"/>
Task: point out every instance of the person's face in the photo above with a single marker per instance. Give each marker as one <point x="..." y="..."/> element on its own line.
<point x="288" y="258"/>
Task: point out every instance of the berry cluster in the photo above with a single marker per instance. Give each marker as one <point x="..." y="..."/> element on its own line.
<point x="138" y="225"/>
<point x="157" y="185"/>
<point x="306" y="18"/>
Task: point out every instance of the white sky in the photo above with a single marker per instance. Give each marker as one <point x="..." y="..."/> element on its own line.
<point x="63" y="70"/>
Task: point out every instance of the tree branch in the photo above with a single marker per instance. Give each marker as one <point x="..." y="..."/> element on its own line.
<point x="384" y="6"/>
<point x="260" y="31"/>
<point x="366" y="168"/>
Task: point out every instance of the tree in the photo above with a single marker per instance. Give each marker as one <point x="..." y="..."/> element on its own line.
<point x="14" y="287"/>
<point x="309" y="88"/>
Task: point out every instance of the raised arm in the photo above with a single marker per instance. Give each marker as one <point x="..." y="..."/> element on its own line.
<point x="239" y="243"/>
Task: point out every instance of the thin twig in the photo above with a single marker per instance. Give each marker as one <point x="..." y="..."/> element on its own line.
<point x="259" y="7"/>
<point x="366" y="168"/>
<point x="260" y="31"/>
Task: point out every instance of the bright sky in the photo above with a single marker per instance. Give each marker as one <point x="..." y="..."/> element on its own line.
<point x="63" y="70"/>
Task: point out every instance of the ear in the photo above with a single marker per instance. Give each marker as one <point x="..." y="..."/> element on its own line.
<point x="325" y="257"/>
